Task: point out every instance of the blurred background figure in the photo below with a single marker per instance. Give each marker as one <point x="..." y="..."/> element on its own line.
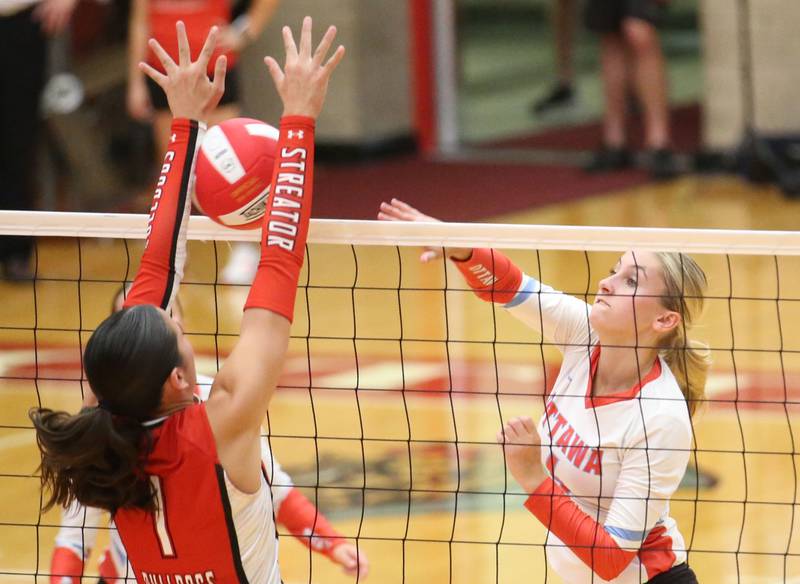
<point x="562" y="94"/>
<point x="240" y="24"/>
<point x="25" y="26"/>
<point x="631" y="57"/>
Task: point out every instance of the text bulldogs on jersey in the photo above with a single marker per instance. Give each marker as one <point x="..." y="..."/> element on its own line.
<point x="196" y="578"/>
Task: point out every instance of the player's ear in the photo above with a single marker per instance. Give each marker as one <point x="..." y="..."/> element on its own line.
<point x="666" y="322"/>
<point x="177" y="380"/>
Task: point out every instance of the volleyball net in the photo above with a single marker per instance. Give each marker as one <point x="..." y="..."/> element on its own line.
<point x="398" y="379"/>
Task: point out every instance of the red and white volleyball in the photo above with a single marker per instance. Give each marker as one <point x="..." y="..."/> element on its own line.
<point x="234" y="171"/>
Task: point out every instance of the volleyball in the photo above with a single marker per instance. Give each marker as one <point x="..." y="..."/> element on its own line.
<point x="234" y="170"/>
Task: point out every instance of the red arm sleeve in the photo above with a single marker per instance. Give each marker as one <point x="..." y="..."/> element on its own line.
<point x="286" y="219"/>
<point x="491" y="275"/>
<point x="306" y="523"/>
<point x="585" y="537"/>
<point x="164" y="254"/>
<point x="64" y="565"/>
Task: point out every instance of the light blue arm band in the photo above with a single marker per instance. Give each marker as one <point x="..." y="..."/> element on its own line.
<point x="529" y="287"/>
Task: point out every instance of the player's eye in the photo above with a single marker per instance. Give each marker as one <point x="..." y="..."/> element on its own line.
<point x="632" y="282"/>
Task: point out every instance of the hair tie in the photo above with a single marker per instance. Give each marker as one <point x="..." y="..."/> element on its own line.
<point x="103" y="405"/>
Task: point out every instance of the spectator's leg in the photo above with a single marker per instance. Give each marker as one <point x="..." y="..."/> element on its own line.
<point x="22" y="60"/>
<point x="650" y="76"/>
<point x="615" y="84"/>
<point x="562" y="94"/>
<point x="564" y="25"/>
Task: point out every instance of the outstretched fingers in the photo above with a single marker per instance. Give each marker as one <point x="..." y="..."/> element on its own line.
<point x="387" y="217"/>
<point x="399" y="211"/>
<point x="403" y="206"/>
<point x="305" y="39"/>
<point x="163" y="57"/>
<point x="274" y="70"/>
<point x="153" y="74"/>
<point x="288" y="44"/>
<point x="184" y="52"/>
<point x="220" y="68"/>
<point x="334" y="61"/>
<point x="208" y="49"/>
<point x="389" y="213"/>
<point x="324" y="46"/>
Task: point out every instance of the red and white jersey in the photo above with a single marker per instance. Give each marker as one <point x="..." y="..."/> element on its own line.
<point x="198" y="16"/>
<point x="618" y="457"/>
<point x="239" y="541"/>
<point x="115" y="562"/>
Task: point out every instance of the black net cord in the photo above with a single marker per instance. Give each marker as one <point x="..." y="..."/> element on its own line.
<point x="404" y="559"/>
<point x="358" y="405"/>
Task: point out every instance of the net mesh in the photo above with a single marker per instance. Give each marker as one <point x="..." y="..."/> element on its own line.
<point x="398" y="379"/>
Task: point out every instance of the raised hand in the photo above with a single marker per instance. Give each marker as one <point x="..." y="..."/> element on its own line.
<point x="190" y="93"/>
<point x="351" y="560"/>
<point x="303" y="82"/>
<point x="522" y="447"/>
<point x="397" y="210"/>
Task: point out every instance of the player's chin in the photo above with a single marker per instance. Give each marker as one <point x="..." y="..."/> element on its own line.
<point x="607" y="322"/>
<point x="598" y="317"/>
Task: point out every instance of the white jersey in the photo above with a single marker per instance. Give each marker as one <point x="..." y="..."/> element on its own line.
<point x="620" y="457"/>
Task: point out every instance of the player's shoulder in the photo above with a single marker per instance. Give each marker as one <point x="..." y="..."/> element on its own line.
<point x="663" y="405"/>
<point x="186" y="430"/>
<point x="663" y="392"/>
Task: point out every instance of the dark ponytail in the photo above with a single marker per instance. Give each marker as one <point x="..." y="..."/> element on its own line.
<point x="98" y="456"/>
<point x="94" y="458"/>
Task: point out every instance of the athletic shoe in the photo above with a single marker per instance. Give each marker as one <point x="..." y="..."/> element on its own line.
<point x="661" y="164"/>
<point x="609" y="159"/>
<point x="559" y="97"/>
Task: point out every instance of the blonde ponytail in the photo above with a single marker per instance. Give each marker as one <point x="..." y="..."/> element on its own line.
<point x="688" y="359"/>
<point x="689" y="362"/>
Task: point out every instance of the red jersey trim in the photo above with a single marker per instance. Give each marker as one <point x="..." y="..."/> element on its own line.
<point x="597" y="401"/>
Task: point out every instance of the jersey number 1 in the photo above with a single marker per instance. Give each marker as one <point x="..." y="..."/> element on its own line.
<point x="160" y="520"/>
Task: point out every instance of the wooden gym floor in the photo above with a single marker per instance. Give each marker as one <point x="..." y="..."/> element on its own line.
<point x="390" y="462"/>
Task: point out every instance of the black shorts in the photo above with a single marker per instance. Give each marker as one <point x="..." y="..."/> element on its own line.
<point x="159" y="99"/>
<point x="680" y="574"/>
<point x="606" y="16"/>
